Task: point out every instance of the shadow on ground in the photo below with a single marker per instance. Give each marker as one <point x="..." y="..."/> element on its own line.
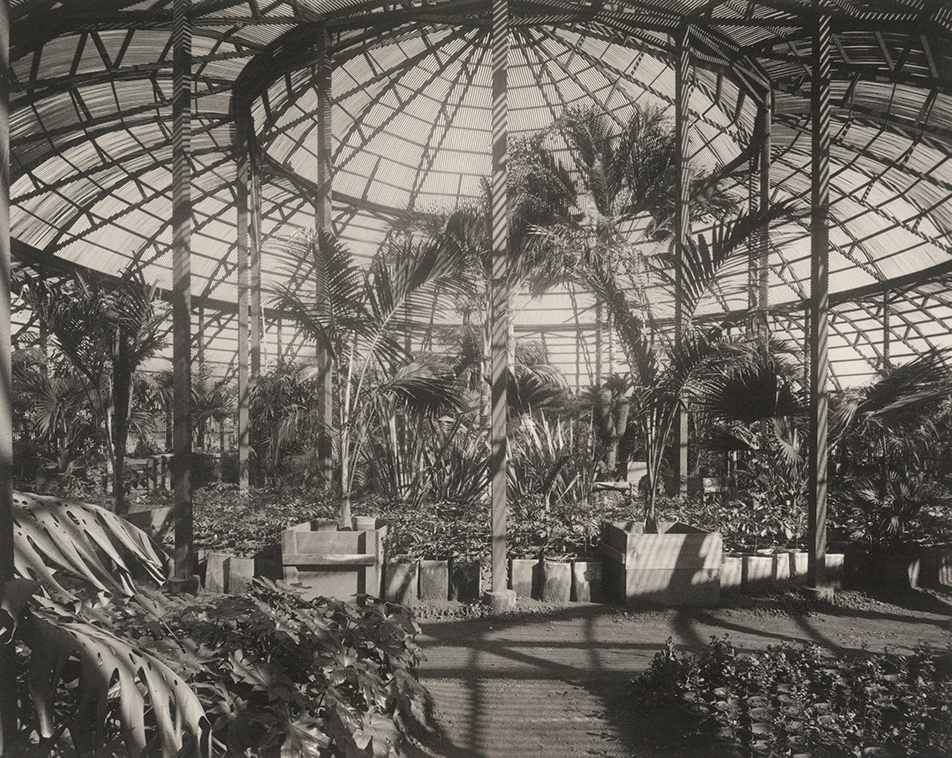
<point x="554" y="681"/>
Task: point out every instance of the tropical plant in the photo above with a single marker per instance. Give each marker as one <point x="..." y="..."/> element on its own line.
<point x="106" y="330"/>
<point x="213" y="401"/>
<point x="361" y="321"/>
<point x="53" y="409"/>
<point x="82" y="554"/>
<point x="551" y="459"/>
<point x="890" y="469"/>
<point x="116" y="666"/>
<point x="602" y="232"/>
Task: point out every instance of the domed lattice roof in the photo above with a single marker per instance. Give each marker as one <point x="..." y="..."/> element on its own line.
<point x="91" y="142"/>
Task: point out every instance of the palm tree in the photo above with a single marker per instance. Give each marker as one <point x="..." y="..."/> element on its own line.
<point x="602" y="232"/>
<point x="362" y="323"/>
<point x="52" y="403"/>
<point x="106" y="330"/>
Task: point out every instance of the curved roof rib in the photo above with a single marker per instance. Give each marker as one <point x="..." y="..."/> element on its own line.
<point x="91" y="136"/>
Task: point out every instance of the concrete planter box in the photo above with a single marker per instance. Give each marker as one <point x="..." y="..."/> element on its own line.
<point x="556" y="581"/>
<point x="331" y="563"/>
<point x="434" y="581"/>
<point x="159" y="523"/>
<point x="943" y="565"/>
<point x="732" y="572"/>
<point x="466" y="581"/>
<point x="524" y="576"/>
<point x="400" y="581"/>
<point x="587" y="581"/>
<point x="799" y="561"/>
<point x="870" y="569"/>
<point x="758" y="571"/>
<point x="679" y="565"/>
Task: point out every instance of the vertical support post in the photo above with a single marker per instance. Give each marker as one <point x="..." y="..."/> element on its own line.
<point x="763" y="295"/>
<point x="819" y="298"/>
<point x="244" y="357"/>
<point x="324" y="223"/>
<point x="200" y="339"/>
<point x="184" y="554"/>
<point x="599" y="328"/>
<point x="611" y="345"/>
<point x="887" y="332"/>
<point x="8" y="682"/>
<point x="682" y="222"/>
<point x="758" y="280"/>
<point x="499" y="289"/>
<point x="254" y="260"/>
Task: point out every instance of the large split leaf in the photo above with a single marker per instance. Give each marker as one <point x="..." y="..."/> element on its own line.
<point x="82" y="540"/>
<point x="153" y="704"/>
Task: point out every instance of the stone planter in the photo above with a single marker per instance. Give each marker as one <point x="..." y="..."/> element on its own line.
<point x="434" y="581"/>
<point x="758" y="571"/>
<point x="330" y="563"/>
<point x="587" y="581"/>
<point x="799" y="561"/>
<point x="159" y="523"/>
<point x="523" y="576"/>
<point x="867" y="568"/>
<point x="943" y="565"/>
<point x="732" y="572"/>
<point x="400" y="581"/>
<point x="466" y="581"/>
<point x="677" y="566"/>
<point x="556" y="581"/>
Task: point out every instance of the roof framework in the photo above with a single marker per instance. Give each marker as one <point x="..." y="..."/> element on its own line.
<point x="91" y="115"/>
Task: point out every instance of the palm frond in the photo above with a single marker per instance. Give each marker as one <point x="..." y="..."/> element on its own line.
<point x="753" y="387"/>
<point x="705" y="261"/>
<point x="899" y="396"/>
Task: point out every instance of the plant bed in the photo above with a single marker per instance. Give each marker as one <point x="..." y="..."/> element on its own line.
<point x="466" y="581"/>
<point x="587" y="581"/>
<point x="678" y="565"/>
<point x="791" y="700"/>
<point x="525" y="577"/>
<point x="434" y="581"/>
<point x="401" y="579"/>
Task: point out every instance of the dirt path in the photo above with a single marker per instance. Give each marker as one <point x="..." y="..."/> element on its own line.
<point x="553" y="681"/>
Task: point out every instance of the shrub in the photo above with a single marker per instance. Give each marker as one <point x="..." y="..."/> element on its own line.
<point x="791" y="699"/>
<point x="275" y="674"/>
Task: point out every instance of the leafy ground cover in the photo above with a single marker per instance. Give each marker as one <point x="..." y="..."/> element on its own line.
<point x="790" y="700"/>
<point x="246" y="524"/>
<point x="111" y="664"/>
<point x="268" y="673"/>
<point x="278" y="674"/>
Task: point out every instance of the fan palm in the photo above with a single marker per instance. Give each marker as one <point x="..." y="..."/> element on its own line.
<point x="55" y="405"/>
<point x="362" y="323"/>
<point x="884" y="439"/>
